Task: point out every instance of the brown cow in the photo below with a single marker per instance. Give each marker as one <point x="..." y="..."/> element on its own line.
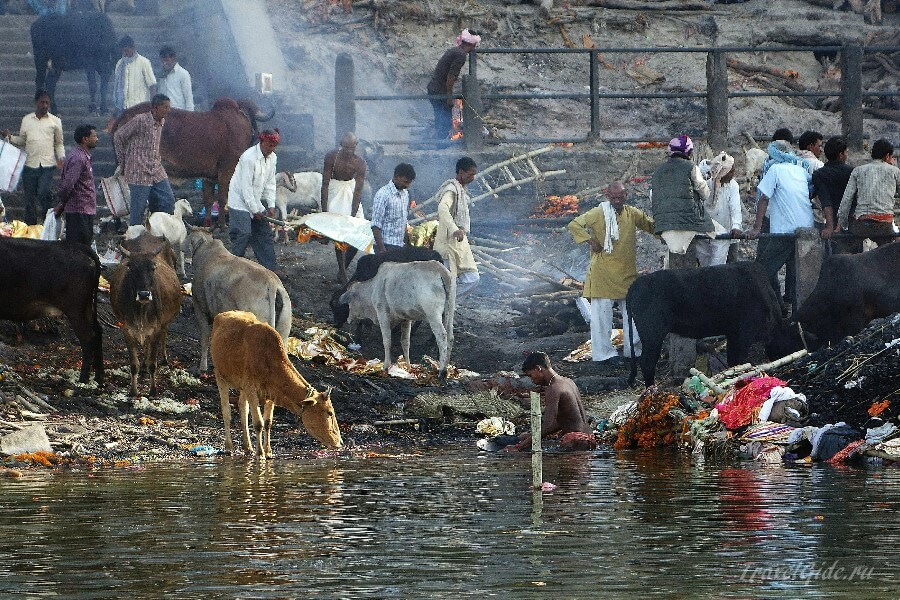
<point x="207" y="144"/>
<point x="250" y="357"/>
<point x="145" y="295"/>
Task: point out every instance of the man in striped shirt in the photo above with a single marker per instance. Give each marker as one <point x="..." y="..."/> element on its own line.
<point x="77" y="194"/>
<point x="389" y="210"/>
<point x="41" y="137"/>
<point x="137" y="148"/>
<point x="874" y="185"/>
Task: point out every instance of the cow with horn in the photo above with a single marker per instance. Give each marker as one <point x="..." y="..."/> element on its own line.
<point x="145" y="295"/>
<point x="205" y="145"/>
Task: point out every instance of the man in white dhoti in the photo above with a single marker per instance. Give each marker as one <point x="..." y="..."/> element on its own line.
<point x="343" y="177"/>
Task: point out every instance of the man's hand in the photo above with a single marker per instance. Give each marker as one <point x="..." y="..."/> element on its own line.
<point x="736" y="234"/>
<point x="59" y="163"/>
<point x="271" y="213"/>
<point x="752" y="234"/>
<point x="460" y="235"/>
<point x="827" y="232"/>
<point x="595" y="246"/>
<point x="58" y="209"/>
<point x="259" y="215"/>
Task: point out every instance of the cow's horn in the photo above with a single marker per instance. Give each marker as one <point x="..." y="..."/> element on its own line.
<point x="123" y="251"/>
<point x="262" y="117"/>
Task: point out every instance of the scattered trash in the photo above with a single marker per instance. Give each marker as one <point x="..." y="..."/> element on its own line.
<point x="548" y="487"/>
<point x="204" y="451"/>
<point x="495" y="426"/>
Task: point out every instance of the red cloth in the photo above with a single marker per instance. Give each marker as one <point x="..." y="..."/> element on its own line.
<point x="736" y="410"/>
<point x="577" y="441"/>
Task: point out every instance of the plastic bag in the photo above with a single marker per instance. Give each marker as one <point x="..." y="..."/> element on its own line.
<point x="52" y="227"/>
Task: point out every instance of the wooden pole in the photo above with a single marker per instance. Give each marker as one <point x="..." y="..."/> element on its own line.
<point x="717" y="99"/>
<point x="851" y="96"/>
<point x="344" y="96"/>
<point x="537" y="471"/>
<point x="595" y="98"/>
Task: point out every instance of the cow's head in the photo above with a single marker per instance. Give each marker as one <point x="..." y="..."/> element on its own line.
<point x="286" y="180"/>
<point x="197" y="236"/>
<point x="139" y="280"/>
<point x="789" y="337"/>
<point x="317" y="415"/>
<point x="339" y="307"/>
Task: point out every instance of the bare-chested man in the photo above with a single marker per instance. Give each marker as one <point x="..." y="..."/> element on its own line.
<point x="563" y="410"/>
<point x="343" y="177"/>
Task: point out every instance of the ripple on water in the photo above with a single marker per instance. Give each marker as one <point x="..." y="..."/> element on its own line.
<point x="451" y="523"/>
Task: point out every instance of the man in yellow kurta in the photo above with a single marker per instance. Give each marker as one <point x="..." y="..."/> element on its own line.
<point x="611" y="232"/>
<point x="452" y="241"/>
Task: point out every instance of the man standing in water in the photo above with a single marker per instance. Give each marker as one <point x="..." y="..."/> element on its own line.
<point x="343" y="177"/>
<point x="563" y="410"/>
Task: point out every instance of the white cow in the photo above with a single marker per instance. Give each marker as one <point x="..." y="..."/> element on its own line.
<point x="403" y="293"/>
<point x="301" y="190"/>
<point x="223" y="282"/>
<point x="170" y="227"/>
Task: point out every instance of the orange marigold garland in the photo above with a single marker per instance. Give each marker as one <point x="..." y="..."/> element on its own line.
<point x="878" y="407"/>
<point x="651" y="426"/>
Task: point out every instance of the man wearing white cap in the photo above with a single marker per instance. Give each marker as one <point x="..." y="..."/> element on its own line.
<point x="724" y="208"/>
<point x="444" y="78"/>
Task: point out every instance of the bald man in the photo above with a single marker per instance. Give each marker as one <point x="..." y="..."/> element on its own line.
<point x="611" y="233"/>
<point x="343" y="177"/>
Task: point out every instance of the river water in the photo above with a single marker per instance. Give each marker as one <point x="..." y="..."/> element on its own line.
<point x="445" y="524"/>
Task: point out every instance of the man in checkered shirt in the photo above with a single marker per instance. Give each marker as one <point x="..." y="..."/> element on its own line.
<point x="389" y="210"/>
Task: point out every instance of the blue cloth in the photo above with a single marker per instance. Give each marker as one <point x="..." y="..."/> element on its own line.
<point x="157" y="197"/>
<point x="245" y="231"/>
<point x="787" y="187"/>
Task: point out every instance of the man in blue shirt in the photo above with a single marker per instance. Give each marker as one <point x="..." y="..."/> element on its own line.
<point x="784" y="190"/>
<point x="390" y="208"/>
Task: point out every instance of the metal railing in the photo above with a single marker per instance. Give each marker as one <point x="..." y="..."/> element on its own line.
<point x="717" y="94"/>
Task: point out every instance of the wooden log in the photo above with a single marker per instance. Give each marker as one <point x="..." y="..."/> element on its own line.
<point x="885" y="62"/>
<point x="884" y="113"/>
<point x="499" y="262"/>
<point x="489" y="244"/>
<point x="651" y="5"/>
<point x="563" y="295"/>
<point x="537" y="469"/>
<point x="738" y="65"/>
<point x="756" y="370"/>
<point x="499" y="273"/>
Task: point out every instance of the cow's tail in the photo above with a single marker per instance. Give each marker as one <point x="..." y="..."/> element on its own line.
<point x="449" y="307"/>
<point x="633" y="376"/>
<point x="276" y="293"/>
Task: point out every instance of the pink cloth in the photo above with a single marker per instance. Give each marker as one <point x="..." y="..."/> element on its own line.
<point x="682" y="144"/>
<point x="467" y="38"/>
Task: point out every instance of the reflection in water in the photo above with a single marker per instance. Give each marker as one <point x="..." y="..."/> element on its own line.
<point x="446" y="524"/>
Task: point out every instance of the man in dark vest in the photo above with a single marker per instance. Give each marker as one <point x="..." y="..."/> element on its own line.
<point x="678" y="196"/>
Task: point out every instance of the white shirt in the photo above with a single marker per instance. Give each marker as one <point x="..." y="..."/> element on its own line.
<point x="787" y="187"/>
<point x="811" y="160"/>
<point x="42" y="140"/>
<point x="176" y="84"/>
<point x="253" y="182"/>
<point x="137" y="79"/>
<point x="727" y="211"/>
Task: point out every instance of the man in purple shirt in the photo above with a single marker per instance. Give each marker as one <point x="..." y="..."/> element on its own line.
<point x="77" y="195"/>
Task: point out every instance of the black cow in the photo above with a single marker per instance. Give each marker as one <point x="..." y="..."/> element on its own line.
<point x="367" y="268"/>
<point x="733" y="300"/>
<point x="74" y="41"/>
<point x="49" y="279"/>
<point x="852" y="290"/>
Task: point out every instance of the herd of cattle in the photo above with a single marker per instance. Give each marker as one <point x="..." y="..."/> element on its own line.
<point x="244" y="312"/>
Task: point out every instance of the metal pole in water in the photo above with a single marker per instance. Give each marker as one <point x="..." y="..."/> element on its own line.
<point x="537" y="474"/>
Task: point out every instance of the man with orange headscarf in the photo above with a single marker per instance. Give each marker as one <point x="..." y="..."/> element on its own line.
<point x="444" y="78"/>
